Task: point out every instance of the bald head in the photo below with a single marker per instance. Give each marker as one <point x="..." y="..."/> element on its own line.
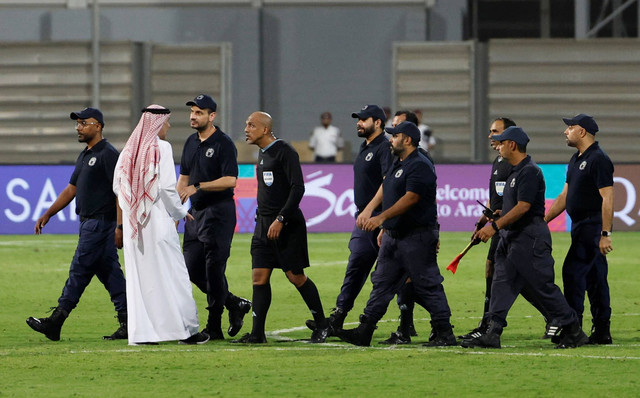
<point x="258" y="129"/>
<point x="263" y="119"/>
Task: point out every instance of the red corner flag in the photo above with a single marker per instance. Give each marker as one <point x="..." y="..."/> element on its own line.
<point x="453" y="267"/>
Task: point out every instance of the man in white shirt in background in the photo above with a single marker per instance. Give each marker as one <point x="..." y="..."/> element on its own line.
<point x="326" y="140"/>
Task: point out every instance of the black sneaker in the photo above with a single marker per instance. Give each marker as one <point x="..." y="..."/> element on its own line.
<point x="397" y="338"/>
<point x="552" y="332"/>
<point x="319" y="335"/>
<point x="198" y="338"/>
<point x="251" y="339"/>
<point x="236" y="316"/>
<point x="472" y="334"/>
<point x="482" y="328"/>
<point x="486" y="340"/>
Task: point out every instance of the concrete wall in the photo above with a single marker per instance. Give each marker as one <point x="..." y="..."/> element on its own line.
<point x="293" y="61"/>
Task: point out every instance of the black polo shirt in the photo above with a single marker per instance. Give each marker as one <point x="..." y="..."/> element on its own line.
<point x="209" y="160"/>
<point x="93" y="179"/>
<point x="371" y="164"/>
<point x="280" y="181"/>
<point x="413" y="174"/>
<point x="586" y="174"/>
<point x="524" y="184"/>
<point x="499" y="172"/>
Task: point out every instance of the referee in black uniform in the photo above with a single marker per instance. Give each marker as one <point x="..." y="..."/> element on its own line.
<point x="96" y="255"/>
<point x="208" y="174"/>
<point x="280" y="236"/>
<point x="408" y="241"/>
<point x="524" y="250"/>
<point x="588" y="198"/>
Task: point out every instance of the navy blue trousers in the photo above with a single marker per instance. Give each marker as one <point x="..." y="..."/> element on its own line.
<point x="586" y="269"/>
<point x="527" y="292"/>
<point x="97" y="255"/>
<point x="206" y="248"/>
<point x="363" y="246"/>
<point x="524" y="257"/>
<point x="413" y="256"/>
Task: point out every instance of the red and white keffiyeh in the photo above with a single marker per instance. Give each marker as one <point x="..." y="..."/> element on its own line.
<point x="139" y="168"/>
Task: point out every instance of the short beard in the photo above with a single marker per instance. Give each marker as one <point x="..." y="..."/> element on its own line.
<point x="200" y="129"/>
<point x="367" y="132"/>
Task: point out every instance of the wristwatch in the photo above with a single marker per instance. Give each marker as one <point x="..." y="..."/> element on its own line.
<point x="197" y="186"/>
<point x="495" y="226"/>
<point x="280" y="218"/>
<point x="606" y="234"/>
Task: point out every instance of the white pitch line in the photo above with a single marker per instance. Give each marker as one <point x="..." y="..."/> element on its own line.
<point x="276" y="333"/>
<point x="449" y="350"/>
<point x="326" y="263"/>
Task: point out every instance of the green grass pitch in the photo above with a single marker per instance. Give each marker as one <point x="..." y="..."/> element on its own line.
<point x="33" y="270"/>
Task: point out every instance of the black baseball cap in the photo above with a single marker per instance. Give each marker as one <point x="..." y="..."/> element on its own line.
<point x="407" y="128"/>
<point x="513" y="133"/>
<point x="203" y="101"/>
<point x="583" y="120"/>
<point x="368" y="111"/>
<point x="88" y="113"/>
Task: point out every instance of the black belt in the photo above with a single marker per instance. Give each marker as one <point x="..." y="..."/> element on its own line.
<point x="402" y="234"/>
<point x="101" y="217"/>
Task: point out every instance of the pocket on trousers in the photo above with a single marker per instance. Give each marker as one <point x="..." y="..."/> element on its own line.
<point x="542" y="259"/>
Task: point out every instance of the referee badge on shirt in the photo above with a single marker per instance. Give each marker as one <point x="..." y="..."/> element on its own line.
<point x="398" y="173"/>
<point x="369" y="156"/>
<point x="209" y="153"/>
<point x="92" y="161"/>
<point x="583" y="165"/>
<point x="513" y="183"/>
<point x="267" y="177"/>
<point x="500" y="187"/>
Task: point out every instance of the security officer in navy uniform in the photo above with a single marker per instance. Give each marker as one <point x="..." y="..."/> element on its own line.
<point x="280" y="236"/>
<point x="588" y="198"/>
<point x="500" y="170"/>
<point x="208" y="174"/>
<point x="408" y="241"/>
<point x="96" y="253"/>
<point x="524" y="251"/>
<point x="373" y="160"/>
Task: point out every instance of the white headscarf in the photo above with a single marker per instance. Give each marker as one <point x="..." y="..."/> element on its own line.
<point x="139" y="167"/>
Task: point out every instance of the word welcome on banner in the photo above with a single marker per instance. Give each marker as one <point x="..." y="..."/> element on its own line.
<point x="328" y="205"/>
